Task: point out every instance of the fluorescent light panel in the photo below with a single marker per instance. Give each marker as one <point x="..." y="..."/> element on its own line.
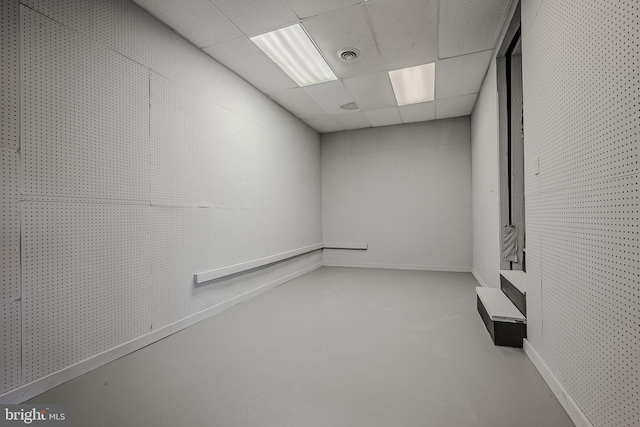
<point x="414" y="84"/>
<point x="294" y="52"/>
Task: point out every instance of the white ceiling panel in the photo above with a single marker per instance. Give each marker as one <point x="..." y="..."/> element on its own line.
<point x="470" y="26"/>
<point x="406" y="31"/>
<point x="371" y="92"/>
<point x="455" y="107"/>
<point x="418" y="112"/>
<point x="307" y="8"/>
<point x="323" y="124"/>
<point x="199" y="21"/>
<point x="257" y="16"/>
<point x="330" y="96"/>
<point x="356" y="120"/>
<point x="461" y="75"/>
<point x="346" y="28"/>
<point x="297" y="101"/>
<point x="384" y="117"/>
<point x="252" y="64"/>
<point x="458" y="35"/>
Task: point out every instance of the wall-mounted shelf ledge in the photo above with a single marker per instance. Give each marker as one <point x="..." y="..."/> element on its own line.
<point x="221" y="272"/>
<point x="350" y="246"/>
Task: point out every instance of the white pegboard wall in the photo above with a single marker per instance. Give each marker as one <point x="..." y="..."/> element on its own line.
<point x="582" y="119"/>
<point x="84" y="116"/>
<point x="200" y="155"/>
<point x="10" y="350"/>
<point x="9" y="66"/>
<point x="9" y="189"/>
<point x="126" y="28"/>
<point x="71" y="13"/>
<point x="86" y="281"/>
<point x="535" y="218"/>
<point x="188" y="240"/>
<point x="590" y="271"/>
<point x="84" y="225"/>
<point x="528" y="11"/>
<point x="596" y="101"/>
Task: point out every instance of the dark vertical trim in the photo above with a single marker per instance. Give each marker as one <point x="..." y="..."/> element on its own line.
<point x="512" y="46"/>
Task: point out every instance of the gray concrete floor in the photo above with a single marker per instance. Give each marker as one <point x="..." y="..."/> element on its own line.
<point x="336" y="347"/>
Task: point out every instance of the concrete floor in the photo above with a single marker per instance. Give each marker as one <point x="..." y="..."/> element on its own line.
<point x="336" y="347"/>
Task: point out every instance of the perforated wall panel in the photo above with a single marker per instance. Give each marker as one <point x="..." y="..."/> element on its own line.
<point x="9" y="65"/>
<point x="582" y="120"/>
<point x="188" y="240"/>
<point x="86" y="281"/>
<point x="200" y="153"/>
<point x="10" y="290"/>
<point x="10" y="350"/>
<point x="120" y="113"/>
<point x="124" y="27"/>
<point x="85" y="128"/>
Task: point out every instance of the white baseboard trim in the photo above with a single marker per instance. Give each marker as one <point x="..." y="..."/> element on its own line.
<point x="479" y="279"/>
<point x="32" y="389"/>
<point x="455" y="269"/>
<point x="567" y="402"/>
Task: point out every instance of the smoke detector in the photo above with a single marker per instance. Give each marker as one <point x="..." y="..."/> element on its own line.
<point x="348" y="54"/>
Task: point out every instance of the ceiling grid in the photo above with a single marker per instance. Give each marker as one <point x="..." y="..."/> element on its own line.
<point x="457" y="37"/>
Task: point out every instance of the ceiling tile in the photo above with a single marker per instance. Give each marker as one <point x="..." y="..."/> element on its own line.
<point x="355" y="120"/>
<point x="461" y="75"/>
<point x="455" y="107"/>
<point x="246" y="59"/>
<point x="371" y="92"/>
<point x="346" y="28"/>
<point x="330" y="96"/>
<point x="406" y="31"/>
<point x="418" y="112"/>
<point x="470" y="26"/>
<point x="255" y="17"/>
<point x="323" y="124"/>
<point x="199" y="21"/>
<point x="384" y="117"/>
<point x="298" y="102"/>
<point x="307" y="8"/>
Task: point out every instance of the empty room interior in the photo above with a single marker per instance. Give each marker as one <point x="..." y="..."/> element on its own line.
<point x="320" y="213"/>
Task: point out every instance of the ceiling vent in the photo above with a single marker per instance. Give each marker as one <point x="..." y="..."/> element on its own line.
<point x="349" y="54"/>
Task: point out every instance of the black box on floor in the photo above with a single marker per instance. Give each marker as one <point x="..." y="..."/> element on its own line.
<point x="506" y="334"/>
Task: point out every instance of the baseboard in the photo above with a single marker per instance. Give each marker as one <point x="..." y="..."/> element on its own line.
<point x="569" y="405"/>
<point x="455" y="269"/>
<point x="32" y="389"/>
<point x="255" y="292"/>
<point x="479" y="279"/>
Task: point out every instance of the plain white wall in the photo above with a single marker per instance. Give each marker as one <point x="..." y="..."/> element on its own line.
<point x="405" y="190"/>
<point x="144" y="161"/>
<point x="485" y="182"/>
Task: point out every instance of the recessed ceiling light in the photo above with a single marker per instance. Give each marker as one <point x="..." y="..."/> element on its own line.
<point x="414" y="84"/>
<point x="294" y="52"/>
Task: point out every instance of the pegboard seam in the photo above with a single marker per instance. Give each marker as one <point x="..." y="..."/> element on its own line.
<point x="84" y="200"/>
<point x="583" y="184"/>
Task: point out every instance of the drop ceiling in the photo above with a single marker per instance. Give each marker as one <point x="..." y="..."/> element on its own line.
<point x="458" y="35"/>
